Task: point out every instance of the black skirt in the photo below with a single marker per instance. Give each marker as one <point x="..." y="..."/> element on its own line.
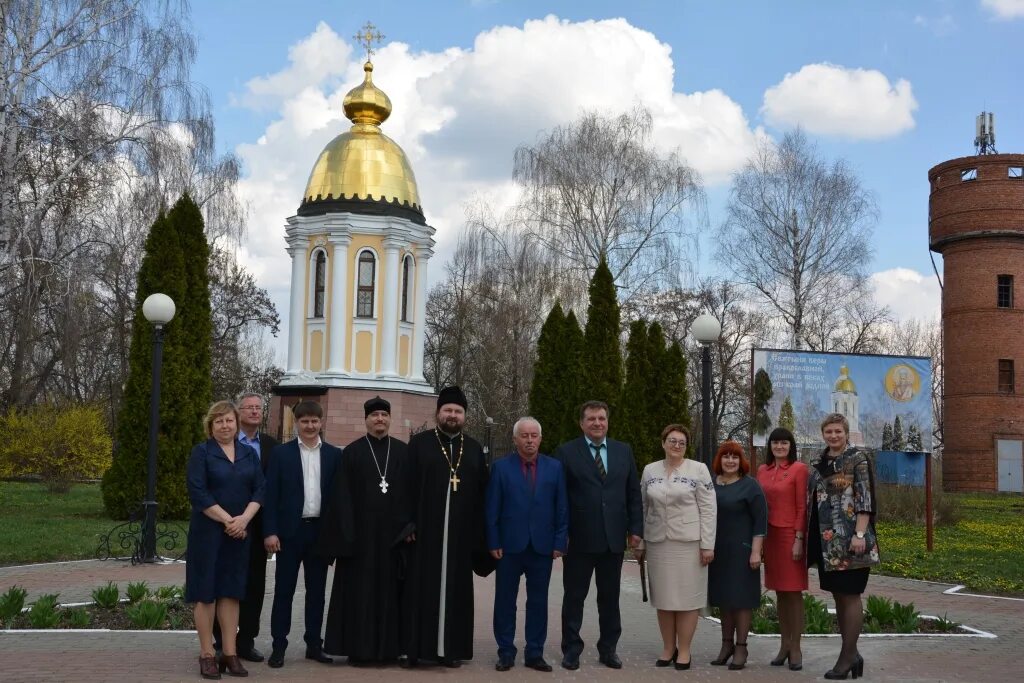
<point x="847" y="581"/>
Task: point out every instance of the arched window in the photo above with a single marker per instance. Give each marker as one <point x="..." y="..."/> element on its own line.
<point x="319" y="284"/>
<point x="364" y="295"/>
<point x="406" y="266"/>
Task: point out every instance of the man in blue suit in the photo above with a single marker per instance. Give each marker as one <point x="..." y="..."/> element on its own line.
<point x="604" y="495"/>
<point x="298" y="483"/>
<point x="527" y="512"/>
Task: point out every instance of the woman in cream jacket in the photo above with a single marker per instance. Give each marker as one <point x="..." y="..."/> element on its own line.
<point x="679" y="536"/>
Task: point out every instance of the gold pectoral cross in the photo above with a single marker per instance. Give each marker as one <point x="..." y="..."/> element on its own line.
<point x="455" y="482"/>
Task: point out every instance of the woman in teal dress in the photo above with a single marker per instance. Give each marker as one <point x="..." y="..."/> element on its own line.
<point x="734" y="577"/>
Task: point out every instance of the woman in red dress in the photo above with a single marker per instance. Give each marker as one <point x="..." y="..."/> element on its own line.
<point x="784" y="481"/>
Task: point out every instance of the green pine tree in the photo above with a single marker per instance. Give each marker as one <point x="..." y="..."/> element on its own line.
<point x="887" y="437"/>
<point x="634" y="420"/>
<point x="674" y="398"/>
<point x="787" y="418"/>
<point x="898" y="442"/>
<point x="162" y="270"/>
<point x="914" y="439"/>
<point x="194" y="311"/>
<point x="546" y="391"/>
<point x="602" y="376"/>
<point x="761" y="421"/>
<point x="572" y="378"/>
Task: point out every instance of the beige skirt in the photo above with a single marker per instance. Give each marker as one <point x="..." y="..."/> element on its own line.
<point x="678" y="582"/>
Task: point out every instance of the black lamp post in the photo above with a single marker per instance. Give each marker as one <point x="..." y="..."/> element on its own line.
<point x="159" y="310"/>
<point x="706" y="329"/>
<point x="488" y="429"/>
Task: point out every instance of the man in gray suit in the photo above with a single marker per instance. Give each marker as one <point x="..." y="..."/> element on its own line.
<point x="604" y="508"/>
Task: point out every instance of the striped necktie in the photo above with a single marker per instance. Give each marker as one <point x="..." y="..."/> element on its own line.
<point x="597" y="459"/>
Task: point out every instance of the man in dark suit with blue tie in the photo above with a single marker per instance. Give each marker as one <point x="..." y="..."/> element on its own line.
<point x="605" y="508"/>
<point x="527" y="514"/>
<point x="298" y="483"/>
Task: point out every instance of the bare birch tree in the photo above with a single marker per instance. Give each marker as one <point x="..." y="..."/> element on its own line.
<point x="597" y="189"/>
<point x="797" y="232"/>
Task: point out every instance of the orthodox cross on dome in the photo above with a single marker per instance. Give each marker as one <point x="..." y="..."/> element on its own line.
<point x="369" y="36"/>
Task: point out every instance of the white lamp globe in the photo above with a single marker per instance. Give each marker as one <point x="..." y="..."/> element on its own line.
<point x="706" y="329"/>
<point x="158" y="309"/>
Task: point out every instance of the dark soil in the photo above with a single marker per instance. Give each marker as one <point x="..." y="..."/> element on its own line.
<point x="179" y="618"/>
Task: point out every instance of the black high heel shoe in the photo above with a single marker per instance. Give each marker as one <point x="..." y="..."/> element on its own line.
<point x="780" y="660"/>
<point x="725" y="658"/>
<point x="856" y="670"/>
<point x="667" y="662"/>
<point x="733" y="665"/>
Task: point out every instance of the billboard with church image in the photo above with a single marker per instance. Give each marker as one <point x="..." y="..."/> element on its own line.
<point x="879" y="395"/>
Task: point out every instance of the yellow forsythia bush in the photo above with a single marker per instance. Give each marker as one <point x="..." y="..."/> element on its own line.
<point x="59" y="445"/>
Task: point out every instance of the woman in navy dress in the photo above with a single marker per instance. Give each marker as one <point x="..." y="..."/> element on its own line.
<point x="225" y="486"/>
<point x="734" y="577"/>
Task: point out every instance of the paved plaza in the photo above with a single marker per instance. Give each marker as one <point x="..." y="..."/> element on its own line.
<point x="128" y="656"/>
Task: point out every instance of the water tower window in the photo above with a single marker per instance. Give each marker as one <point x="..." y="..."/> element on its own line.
<point x="968" y="174"/>
<point x="1015" y="172"/>
<point x="1004" y="291"/>
<point x="1005" y="376"/>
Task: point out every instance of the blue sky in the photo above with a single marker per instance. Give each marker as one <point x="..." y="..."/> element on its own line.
<point x="893" y="87"/>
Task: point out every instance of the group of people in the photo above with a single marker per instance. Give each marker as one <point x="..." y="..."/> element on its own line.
<point x="408" y="525"/>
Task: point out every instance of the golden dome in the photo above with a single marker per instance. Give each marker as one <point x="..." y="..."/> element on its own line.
<point x="364" y="164"/>
<point x="844" y="383"/>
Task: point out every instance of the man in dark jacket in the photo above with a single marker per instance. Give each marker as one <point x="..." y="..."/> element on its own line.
<point x="605" y="508"/>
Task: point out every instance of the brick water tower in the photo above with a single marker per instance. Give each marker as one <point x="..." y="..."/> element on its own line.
<point x="976" y="221"/>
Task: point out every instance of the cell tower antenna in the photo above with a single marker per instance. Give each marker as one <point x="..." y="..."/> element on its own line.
<point x="985" y="133"/>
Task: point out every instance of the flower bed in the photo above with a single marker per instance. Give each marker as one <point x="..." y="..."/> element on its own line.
<point x="141" y="609"/>
<point x="881" y="615"/>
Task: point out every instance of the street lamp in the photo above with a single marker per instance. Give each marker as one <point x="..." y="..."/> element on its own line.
<point x="158" y="309"/>
<point x="705" y="329"/>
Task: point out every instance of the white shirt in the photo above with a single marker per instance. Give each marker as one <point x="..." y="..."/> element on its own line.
<point x="310" y="478"/>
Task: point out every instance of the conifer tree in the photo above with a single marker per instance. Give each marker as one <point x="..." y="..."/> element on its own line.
<point x="546" y="400"/>
<point x="898" y="443"/>
<point x="572" y="378"/>
<point x="761" y="421"/>
<point x="787" y="418"/>
<point x="194" y="311"/>
<point x="887" y="437"/>
<point x="638" y="395"/>
<point x="674" y="401"/>
<point x="914" y="439"/>
<point x="602" y="376"/>
<point x="162" y="270"/>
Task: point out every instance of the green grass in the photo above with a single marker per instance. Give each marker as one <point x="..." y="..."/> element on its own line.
<point x="983" y="550"/>
<point x="39" y="526"/>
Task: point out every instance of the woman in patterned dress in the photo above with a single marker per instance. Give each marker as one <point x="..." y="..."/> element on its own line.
<point x="841" y="539"/>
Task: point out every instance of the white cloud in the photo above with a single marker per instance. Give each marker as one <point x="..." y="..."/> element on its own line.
<point x="322" y="55"/>
<point x="833" y="100"/>
<point x="941" y="25"/>
<point x="908" y="293"/>
<point x="460" y="113"/>
<point x="1005" y="9"/>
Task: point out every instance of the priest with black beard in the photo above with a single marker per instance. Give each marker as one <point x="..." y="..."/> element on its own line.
<point x="450" y="542"/>
<point x="368" y="527"/>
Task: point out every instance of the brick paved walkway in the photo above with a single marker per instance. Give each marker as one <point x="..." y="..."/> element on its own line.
<point x="126" y="656"/>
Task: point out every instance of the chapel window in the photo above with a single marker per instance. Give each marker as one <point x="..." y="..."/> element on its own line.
<point x="364" y="293"/>
<point x="406" y="266"/>
<point x="319" y="284"/>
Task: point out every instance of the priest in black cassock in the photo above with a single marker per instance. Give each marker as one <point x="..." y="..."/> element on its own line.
<point x="450" y="542"/>
<point x="368" y="527"/>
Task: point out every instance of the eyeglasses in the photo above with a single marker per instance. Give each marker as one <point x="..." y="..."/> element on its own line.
<point x="676" y="442"/>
